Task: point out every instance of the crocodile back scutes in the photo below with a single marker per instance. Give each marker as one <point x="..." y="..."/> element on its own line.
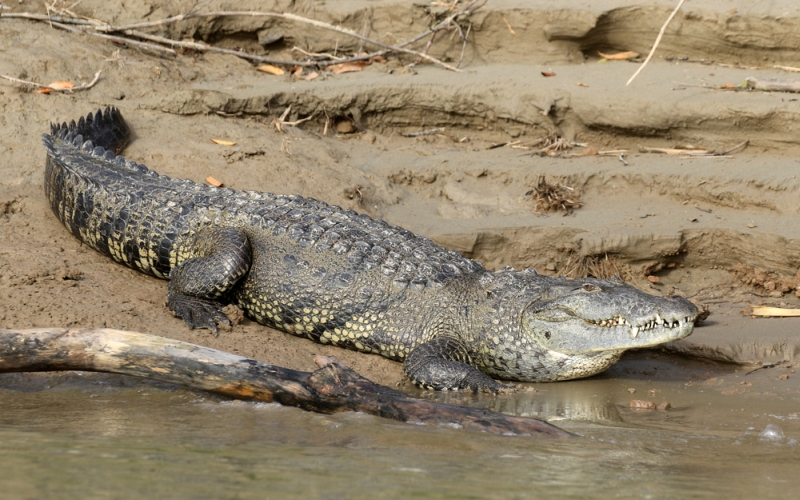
<point x="140" y="218"/>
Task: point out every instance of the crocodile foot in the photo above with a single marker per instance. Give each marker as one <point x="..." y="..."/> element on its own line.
<point x="443" y="364"/>
<point x="198" y="313"/>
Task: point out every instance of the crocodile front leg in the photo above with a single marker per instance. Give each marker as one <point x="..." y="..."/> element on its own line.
<point x="220" y="257"/>
<point x="443" y="364"/>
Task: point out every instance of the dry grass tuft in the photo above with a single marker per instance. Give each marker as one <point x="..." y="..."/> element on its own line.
<point x="595" y="266"/>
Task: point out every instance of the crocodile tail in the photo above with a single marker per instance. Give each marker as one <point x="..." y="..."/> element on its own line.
<point x="105" y="128"/>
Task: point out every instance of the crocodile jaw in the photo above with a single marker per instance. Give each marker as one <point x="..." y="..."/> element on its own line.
<point x="574" y="335"/>
<point x="591" y="316"/>
<point x="651" y="328"/>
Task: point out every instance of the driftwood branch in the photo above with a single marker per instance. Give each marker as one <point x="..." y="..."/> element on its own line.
<point x="333" y="388"/>
<point x="773" y="84"/>
<point x="117" y="39"/>
<point x="287" y="16"/>
<point x="466" y="11"/>
<point x="103" y="28"/>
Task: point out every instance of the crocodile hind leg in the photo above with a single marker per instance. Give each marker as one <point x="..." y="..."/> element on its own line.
<point x="443" y="364"/>
<point x="218" y="258"/>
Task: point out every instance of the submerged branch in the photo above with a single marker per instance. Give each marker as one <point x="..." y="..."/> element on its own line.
<point x="332" y="388"/>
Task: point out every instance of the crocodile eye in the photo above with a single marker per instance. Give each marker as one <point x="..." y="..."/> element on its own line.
<point x="591" y="288"/>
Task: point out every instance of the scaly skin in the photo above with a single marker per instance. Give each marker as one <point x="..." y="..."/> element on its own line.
<point x="337" y="277"/>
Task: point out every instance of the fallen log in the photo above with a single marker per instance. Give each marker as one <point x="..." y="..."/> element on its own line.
<point x="332" y="388"/>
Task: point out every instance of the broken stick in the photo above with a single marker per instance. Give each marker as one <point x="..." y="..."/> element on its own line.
<point x="333" y="388"/>
<point x="51" y="88"/>
<point x="773" y="84"/>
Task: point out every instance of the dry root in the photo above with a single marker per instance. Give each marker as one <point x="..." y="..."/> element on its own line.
<point x="554" y="197"/>
<point x="355" y="193"/>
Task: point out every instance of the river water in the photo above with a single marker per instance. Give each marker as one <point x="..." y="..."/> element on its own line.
<point x="81" y="435"/>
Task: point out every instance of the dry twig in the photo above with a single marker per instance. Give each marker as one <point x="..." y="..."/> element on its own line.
<point x="553" y="145"/>
<point x="793" y="69"/>
<point x="464" y="45"/>
<point x="281" y="122"/>
<point x="658" y="40"/>
<point x="118" y="39"/>
<point x="430" y="131"/>
<point x="696" y="152"/>
<point x="85" y="86"/>
<point x="768" y="366"/>
<point x="774" y="312"/>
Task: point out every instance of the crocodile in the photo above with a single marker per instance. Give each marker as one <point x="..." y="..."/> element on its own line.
<point x="342" y="278"/>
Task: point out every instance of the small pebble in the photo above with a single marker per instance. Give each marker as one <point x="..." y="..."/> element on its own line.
<point x="345" y="127"/>
<point x="641" y="404"/>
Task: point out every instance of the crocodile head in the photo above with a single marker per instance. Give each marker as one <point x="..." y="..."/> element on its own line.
<point x="586" y="316"/>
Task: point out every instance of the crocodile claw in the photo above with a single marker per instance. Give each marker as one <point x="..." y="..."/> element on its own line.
<point x="198" y="313"/>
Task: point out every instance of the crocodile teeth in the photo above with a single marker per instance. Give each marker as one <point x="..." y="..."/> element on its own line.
<point x="634" y="332"/>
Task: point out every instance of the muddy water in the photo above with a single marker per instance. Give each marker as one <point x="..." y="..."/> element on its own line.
<point x="100" y="436"/>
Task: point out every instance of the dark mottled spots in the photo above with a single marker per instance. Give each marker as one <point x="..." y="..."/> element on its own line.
<point x="131" y="251"/>
<point x="290" y="259"/>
